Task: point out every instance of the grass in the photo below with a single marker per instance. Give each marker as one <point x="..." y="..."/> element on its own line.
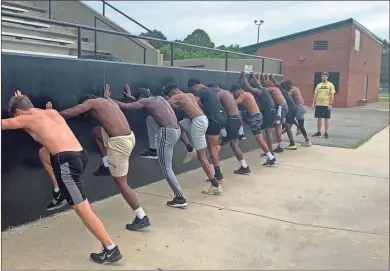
<point x="384" y="99"/>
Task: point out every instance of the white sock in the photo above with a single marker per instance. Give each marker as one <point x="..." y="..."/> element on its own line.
<point x="270" y="156"/>
<point x="241" y="131"/>
<point x="111" y="247"/>
<point x="105" y="161"/>
<point x="140" y="213"/>
<point x="243" y="163"/>
<point x="280" y="144"/>
<point x="56" y="189"/>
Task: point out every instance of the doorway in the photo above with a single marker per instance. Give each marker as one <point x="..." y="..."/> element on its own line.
<point x="365" y="87"/>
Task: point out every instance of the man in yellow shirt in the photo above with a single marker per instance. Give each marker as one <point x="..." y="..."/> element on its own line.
<point x="323" y="100"/>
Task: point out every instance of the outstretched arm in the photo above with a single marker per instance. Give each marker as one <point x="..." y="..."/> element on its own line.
<point x="247" y="85"/>
<point x="272" y="78"/>
<point x="76" y="110"/>
<point x="19" y="122"/>
<point x="125" y="106"/>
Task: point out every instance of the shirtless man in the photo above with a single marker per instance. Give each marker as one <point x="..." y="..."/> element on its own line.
<point x="296" y="95"/>
<point x="68" y="161"/>
<point x="265" y="103"/>
<point x="196" y="124"/>
<point x="216" y="115"/>
<point x="281" y="108"/>
<point x="233" y="125"/>
<point x="255" y="119"/>
<point x="115" y="141"/>
<point x="162" y="125"/>
<point x="291" y="114"/>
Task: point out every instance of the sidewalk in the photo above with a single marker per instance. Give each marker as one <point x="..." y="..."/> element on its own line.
<point x="319" y="208"/>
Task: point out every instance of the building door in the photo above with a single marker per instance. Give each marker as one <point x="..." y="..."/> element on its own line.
<point x="365" y="87"/>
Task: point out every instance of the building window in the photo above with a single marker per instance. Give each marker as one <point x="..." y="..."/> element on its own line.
<point x="334" y="77"/>
<point x="320" y="45"/>
<point x="357" y="40"/>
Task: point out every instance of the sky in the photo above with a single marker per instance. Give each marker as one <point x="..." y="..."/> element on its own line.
<point x="232" y="22"/>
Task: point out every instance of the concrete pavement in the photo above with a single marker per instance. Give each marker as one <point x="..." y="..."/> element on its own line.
<point x="319" y="208"/>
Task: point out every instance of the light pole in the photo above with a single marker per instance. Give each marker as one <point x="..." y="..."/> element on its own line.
<point x="258" y="29"/>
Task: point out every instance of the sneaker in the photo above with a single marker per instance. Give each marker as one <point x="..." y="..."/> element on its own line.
<point x="306" y="144"/>
<point x="241" y="137"/>
<point x="190" y="156"/>
<point x="57" y="202"/>
<point x="278" y="150"/>
<point x="291" y="147"/>
<point x="243" y="170"/>
<point x="318" y="134"/>
<point x="138" y="224"/>
<point x="326" y="135"/>
<point x="212" y="190"/>
<point x="177" y="202"/>
<point x="107" y="256"/>
<point x="149" y="155"/>
<point x="298" y="132"/>
<point x="102" y="171"/>
<point x="270" y="162"/>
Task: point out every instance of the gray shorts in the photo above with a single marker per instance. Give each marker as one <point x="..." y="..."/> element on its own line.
<point x="282" y="111"/>
<point x="301" y="110"/>
<point x="197" y="130"/>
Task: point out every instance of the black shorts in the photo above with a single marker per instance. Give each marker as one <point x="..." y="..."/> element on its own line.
<point x="322" y="112"/>
<point x="233" y="127"/>
<point x="269" y="118"/>
<point x="68" y="167"/>
<point x="290" y="117"/>
<point x="255" y="121"/>
<point x="216" y="123"/>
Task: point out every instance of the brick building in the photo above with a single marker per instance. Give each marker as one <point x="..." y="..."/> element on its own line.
<point x="346" y="49"/>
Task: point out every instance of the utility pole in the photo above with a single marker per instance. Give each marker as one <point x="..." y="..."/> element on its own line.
<point x="258" y="29"/>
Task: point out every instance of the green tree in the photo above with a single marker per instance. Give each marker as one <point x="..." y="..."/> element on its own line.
<point x="155" y="44"/>
<point x="385" y="62"/>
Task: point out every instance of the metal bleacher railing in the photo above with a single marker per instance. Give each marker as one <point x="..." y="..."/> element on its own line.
<point x="172" y="43"/>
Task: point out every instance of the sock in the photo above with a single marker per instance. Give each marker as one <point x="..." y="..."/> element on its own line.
<point x="270" y="156"/>
<point x="243" y="163"/>
<point x="140" y="213"/>
<point x="105" y="161"/>
<point x="152" y="150"/>
<point x="214" y="182"/>
<point x="111" y="247"/>
<point x="56" y="189"/>
<point x="292" y="143"/>
<point x="280" y="145"/>
<point x="217" y="170"/>
<point x="241" y="131"/>
<point x="189" y="148"/>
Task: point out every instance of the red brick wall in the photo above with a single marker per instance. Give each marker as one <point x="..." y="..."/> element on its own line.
<point x="365" y="62"/>
<point x="335" y="59"/>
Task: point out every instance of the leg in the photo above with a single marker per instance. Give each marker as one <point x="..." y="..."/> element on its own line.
<point x="97" y="134"/>
<point x="319" y="125"/>
<point x="153" y="128"/>
<point x="184" y="129"/>
<point x="201" y="154"/>
<point x="212" y="143"/>
<point x="128" y="194"/>
<point x="268" y="132"/>
<point x="326" y="125"/>
<point x="307" y="142"/>
<point x="278" y="130"/>
<point x="290" y="137"/>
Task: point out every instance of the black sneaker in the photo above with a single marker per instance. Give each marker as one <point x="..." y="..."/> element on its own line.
<point x="241" y="137"/>
<point x="270" y="162"/>
<point x="138" y="224"/>
<point x="278" y="150"/>
<point x="107" y="256"/>
<point x="102" y="171"/>
<point x="326" y="135"/>
<point x="177" y="202"/>
<point x="243" y="170"/>
<point x="149" y="155"/>
<point x="57" y="202"/>
<point x="318" y="134"/>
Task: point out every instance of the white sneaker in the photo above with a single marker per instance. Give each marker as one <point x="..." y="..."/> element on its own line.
<point x="190" y="156"/>
<point x="212" y="190"/>
<point x="306" y="144"/>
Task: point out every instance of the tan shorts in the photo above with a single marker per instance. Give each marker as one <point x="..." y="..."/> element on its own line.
<point x="119" y="149"/>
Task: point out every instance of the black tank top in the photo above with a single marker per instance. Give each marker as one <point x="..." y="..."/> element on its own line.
<point x="289" y="100"/>
<point x="211" y="104"/>
<point x="265" y="100"/>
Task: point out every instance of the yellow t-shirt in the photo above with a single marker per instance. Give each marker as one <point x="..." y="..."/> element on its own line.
<point x="324" y="91"/>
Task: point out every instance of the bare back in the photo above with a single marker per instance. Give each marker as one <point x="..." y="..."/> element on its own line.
<point x="228" y="102"/>
<point x="111" y="117"/>
<point x="277" y="95"/>
<point x="161" y="111"/>
<point x="188" y="103"/>
<point x="249" y="102"/>
<point x="296" y="95"/>
<point x="50" y="129"/>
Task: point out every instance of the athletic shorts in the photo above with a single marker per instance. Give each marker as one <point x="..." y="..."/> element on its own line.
<point x="68" y="167"/>
<point x="290" y="117"/>
<point x="216" y="123"/>
<point x="282" y="111"/>
<point x="269" y="118"/>
<point x="322" y="112"/>
<point x="197" y="129"/>
<point x="233" y="126"/>
<point x="255" y="121"/>
<point x="119" y="149"/>
<point x="301" y="110"/>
